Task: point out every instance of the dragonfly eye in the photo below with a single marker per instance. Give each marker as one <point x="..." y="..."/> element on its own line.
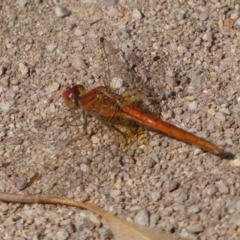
<point x="72" y="95"/>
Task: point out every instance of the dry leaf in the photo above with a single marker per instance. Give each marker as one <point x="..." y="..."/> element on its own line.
<point x="120" y="228"/>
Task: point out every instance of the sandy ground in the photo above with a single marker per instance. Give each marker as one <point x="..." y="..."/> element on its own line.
<point x="158" y="182"/>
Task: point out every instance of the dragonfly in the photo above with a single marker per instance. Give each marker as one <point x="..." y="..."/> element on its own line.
<point x="105" y="103"/>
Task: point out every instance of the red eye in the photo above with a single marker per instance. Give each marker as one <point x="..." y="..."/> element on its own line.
<point x="72" y="94"/>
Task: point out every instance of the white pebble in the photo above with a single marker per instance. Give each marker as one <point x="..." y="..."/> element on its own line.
<point x="220" y="116"/>
<point x="95" y="220"/>
<point x="192" y="106"/>
<point x="51" y="47"/>
<point x="23" y="69"/>
<point x="5" y="106"/>
<point x="95" y="139"/>
<point x="236" y="162"/>
<point x="78" y="63"/>
<point x="23" y="3"/>
<point x="62" y="234"/>
<point x="116" y="83"/>
<point x="142" y="218"/>
<point x="137" y="14"/>
<point x="61" y="11"/>
<point x="54" y="87"/>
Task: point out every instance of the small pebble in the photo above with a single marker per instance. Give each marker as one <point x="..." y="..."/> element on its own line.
<point x="21" y="183"/>
<point x="220" y="116"/>
<point x="115" y="193"/>
<point x="171" y="185"/>
<point x="193" y="209"/>
<point x="192" y="106"/>
<point x="155" y="196"/>
<point x="116" y="83"/>
<point x="211" y="111"/>
<point x="137" y="14"/>
<point x="95" y="139"/>
<point x="95" y="220"/>
<point x="78" y="63"/>
<point x="23" y="69"/>
<point x="61" y="11"/>
<point x="62" y="234"/>
<point x="142" y="218"/>
<point x="203" y="16"/>
<point x="54" y="87"/>
<point x="197" y="228"/>
<point x="23" y="3"/>
<point x="9" y="222"/>
<point x="223" y="188"/>
<point x="236" y="162"/>
<point x="2" y="186"/>
<point x="108" y="3"/>
<point x="51" y="47"/>
<point x="207" y="37"/>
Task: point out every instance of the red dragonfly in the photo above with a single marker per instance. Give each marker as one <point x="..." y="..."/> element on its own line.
<point x="105" y="103"/>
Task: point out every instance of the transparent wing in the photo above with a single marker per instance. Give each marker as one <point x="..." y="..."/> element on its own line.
<point x="138" y="83"/>
<point x="115" y="71"/>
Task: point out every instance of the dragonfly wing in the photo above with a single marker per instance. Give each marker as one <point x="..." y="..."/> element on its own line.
<point x="116" y="72"/>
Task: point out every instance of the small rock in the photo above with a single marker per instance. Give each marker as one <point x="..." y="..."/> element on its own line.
<point x="78" y="45"/>
<point x="236" y="162"/>
<point x="9" y="221"/>
<point x="137" y="14"/>
<point x="207" y="37"/>
<point x="203" y="16"/>
<point x="23" y="69"/>
<point x="5" y="106"/>
<point x="196" y="228"/>
<point x="223" y="188"/>
<point x="2" y="186"/>
<point x="95" y="139"/>
<point x="116" y="83"/>
<point x="61" y="11"/>
<point x="181" y="198"/>
<point x="62" y="234"/>
<point x="197" y="41"/>
<point x="155" y="196"/>
<point x="154" y="219"/>
<point x="211" y="111"/>
<point x="192" y="106"/>
<point x="220" y="116"/>
<point x="211" y="190"/>
<point x="193" y="209"/>
<point x="4" y="207"/>
<point x="108" y="3"/>
<point x="115" y="193"/>
<point x="84" y="167"/>
<point x="54" y="87"/>
<point x="170" y="185"/>
<point x="23" y="3"/>
<point x="21" y="183"/>
<point x="51" y="47"/>
<point x="78" y="63"/>
<point x="142" y="218"/>
<point x="95" y="220"/>
<point x="79" y="32"/>
<point x="237" y="23"/>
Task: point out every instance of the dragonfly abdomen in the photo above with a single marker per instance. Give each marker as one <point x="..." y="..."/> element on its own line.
<point x="149" y="120"/>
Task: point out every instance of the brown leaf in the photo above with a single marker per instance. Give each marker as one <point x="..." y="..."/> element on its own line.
<point x="120" y="228"/>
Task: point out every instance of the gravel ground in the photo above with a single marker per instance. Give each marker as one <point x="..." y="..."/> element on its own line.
<point x="163" y="184"/>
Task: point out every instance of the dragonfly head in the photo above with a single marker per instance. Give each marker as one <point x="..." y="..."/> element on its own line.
<point x="72" y="95"/>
